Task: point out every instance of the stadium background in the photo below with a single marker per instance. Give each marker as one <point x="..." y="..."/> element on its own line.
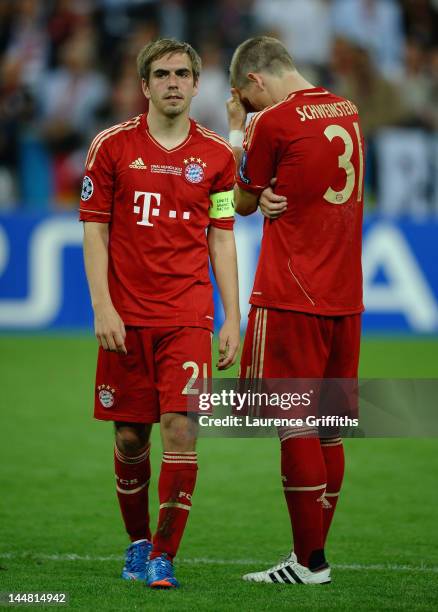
<point x="67" y="70"/>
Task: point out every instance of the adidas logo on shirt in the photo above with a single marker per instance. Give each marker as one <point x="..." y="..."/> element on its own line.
<point x="138" y="164"/>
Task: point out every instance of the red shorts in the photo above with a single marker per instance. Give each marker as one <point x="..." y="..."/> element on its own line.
<point x="284" y="344"/>
<point x="289" y="344"/>
<point x="155" y="376"/>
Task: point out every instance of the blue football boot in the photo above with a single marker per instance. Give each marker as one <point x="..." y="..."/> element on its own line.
<point x="160" y="574"/>
<point x="137" y="560"/>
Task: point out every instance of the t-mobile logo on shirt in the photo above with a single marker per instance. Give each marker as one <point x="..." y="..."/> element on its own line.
<point x="146" y="211"/>
<point x="151" y="208"/>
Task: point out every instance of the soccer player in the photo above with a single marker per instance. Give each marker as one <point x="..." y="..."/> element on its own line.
<point x="157" y="204"/>
<point x="306" y="301"/>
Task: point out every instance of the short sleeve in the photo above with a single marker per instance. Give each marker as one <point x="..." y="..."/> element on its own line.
<point x="257" y="167"/>
<point x="98" y="184"/>
<point x="221" y="210"/>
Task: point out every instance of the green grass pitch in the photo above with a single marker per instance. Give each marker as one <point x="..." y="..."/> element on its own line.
<point x="59" y="522"/>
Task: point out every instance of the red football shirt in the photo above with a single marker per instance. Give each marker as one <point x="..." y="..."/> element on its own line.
<point x="157" y="202"/>
<point x="310" y="258"/>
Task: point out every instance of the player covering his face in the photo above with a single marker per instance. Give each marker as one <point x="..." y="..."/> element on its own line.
<point x="301" y="162"/>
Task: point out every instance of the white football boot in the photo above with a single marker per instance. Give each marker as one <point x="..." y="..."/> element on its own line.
<point x="290" y="571"/>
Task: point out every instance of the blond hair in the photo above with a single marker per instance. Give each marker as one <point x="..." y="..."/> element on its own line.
<point x="166" y="46"/>
<point x="259" y="54"/>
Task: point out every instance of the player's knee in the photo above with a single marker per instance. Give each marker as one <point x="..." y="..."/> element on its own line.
<point x="131" y="439"/>
<point x="178" y="432"/>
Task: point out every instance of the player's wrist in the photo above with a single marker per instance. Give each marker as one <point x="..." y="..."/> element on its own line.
<point x="236" y="138"/>
<point x="101" y="305"/>
<point x="233" y="317"/>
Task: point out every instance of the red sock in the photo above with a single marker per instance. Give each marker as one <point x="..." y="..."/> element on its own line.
<point x="175" y="489"/>
<point x="333" y="452"/>
<point x="132" y="483"/>
<point x="304" y="482"/>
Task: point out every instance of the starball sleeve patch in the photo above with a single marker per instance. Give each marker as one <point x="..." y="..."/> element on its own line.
<point x="87" y="188"/>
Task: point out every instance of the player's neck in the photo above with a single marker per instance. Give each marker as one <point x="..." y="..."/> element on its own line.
<point x="168" y="131"/>
<point x="290" y="83"/>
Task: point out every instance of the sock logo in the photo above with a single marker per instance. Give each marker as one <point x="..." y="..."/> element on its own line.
<point x="186" y="495"/>
<point x="324" y="501"/>
<point x="127" y="482"/>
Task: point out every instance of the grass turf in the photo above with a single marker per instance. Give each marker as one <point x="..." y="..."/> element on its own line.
<point x="57" y="499"/>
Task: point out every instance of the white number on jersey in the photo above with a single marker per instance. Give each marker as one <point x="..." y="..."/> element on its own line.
<point x="344" y="161"/>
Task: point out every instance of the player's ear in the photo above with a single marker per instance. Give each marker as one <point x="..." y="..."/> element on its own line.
<point x="145" y="89"/>
<point x="256" y="78"/>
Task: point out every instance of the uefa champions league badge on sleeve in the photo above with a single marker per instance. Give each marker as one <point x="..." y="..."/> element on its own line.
<point x="106" y="395"/>
<point x="87" y="188"/>
<point x="242" y="168"/>
<point x="194" y="169"/>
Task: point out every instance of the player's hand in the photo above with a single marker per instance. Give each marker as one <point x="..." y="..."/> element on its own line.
<point x="110" y="329"/>
<point x="271" y="204"/>
<point x="236" y="112"/>
<point x="229" y="340"/>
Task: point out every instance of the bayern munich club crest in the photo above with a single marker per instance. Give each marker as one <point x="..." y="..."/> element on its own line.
<point x="194" y="169"/>
<point x="87" y="188"/>
<point x="106" y="396"/>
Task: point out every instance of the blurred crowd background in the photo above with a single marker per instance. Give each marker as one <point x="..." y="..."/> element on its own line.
<point x="68" y="70"/>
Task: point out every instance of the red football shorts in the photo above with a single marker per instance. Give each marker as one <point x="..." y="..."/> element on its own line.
<point x="155" y="377"/>
<point x="284" y="344"/>
<point x="289" y="344"/>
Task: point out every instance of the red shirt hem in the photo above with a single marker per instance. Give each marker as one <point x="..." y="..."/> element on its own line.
<point x="167" y="322"/>
<point x="327" y="312"/>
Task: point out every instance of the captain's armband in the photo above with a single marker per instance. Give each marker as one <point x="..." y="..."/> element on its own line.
<point x="222" y="205"/>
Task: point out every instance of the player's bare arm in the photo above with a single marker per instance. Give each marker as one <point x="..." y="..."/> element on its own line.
<point x="108" y="326"/>
<point x="236" y="122"/>
<point x="223" y="257"/>
<point x="245" y="203"/>
<point x="271" y="204"/>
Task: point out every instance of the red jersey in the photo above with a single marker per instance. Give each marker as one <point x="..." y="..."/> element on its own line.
<point x="159" y="204"/>
<point x="310" y="258"/>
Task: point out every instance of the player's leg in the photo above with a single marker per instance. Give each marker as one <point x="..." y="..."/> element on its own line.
<point x="122" y="394"/>
<point x="333" y="453"/>
<point x="304" y="482"/>
<point x="343" y="362"/>
<point x="302" y="463"/>
<point x="176" y="483"/>
<point x="133" y="472"/>
<point x="283" y="344"/>
<point x="181" y="356"/>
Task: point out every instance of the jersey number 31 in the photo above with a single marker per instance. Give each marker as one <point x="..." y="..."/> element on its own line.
<point x="344" y="161"/>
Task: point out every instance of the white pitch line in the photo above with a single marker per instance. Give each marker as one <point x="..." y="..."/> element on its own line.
<point x="357" y="567"/>
<point x="378" y="567"/>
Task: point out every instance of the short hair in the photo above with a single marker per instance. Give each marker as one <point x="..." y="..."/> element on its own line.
<point x="259" y="54"/>
<point x="164" y="46"/>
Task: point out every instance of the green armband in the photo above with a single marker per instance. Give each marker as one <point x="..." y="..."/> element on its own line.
<point x="222" y="205"/>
